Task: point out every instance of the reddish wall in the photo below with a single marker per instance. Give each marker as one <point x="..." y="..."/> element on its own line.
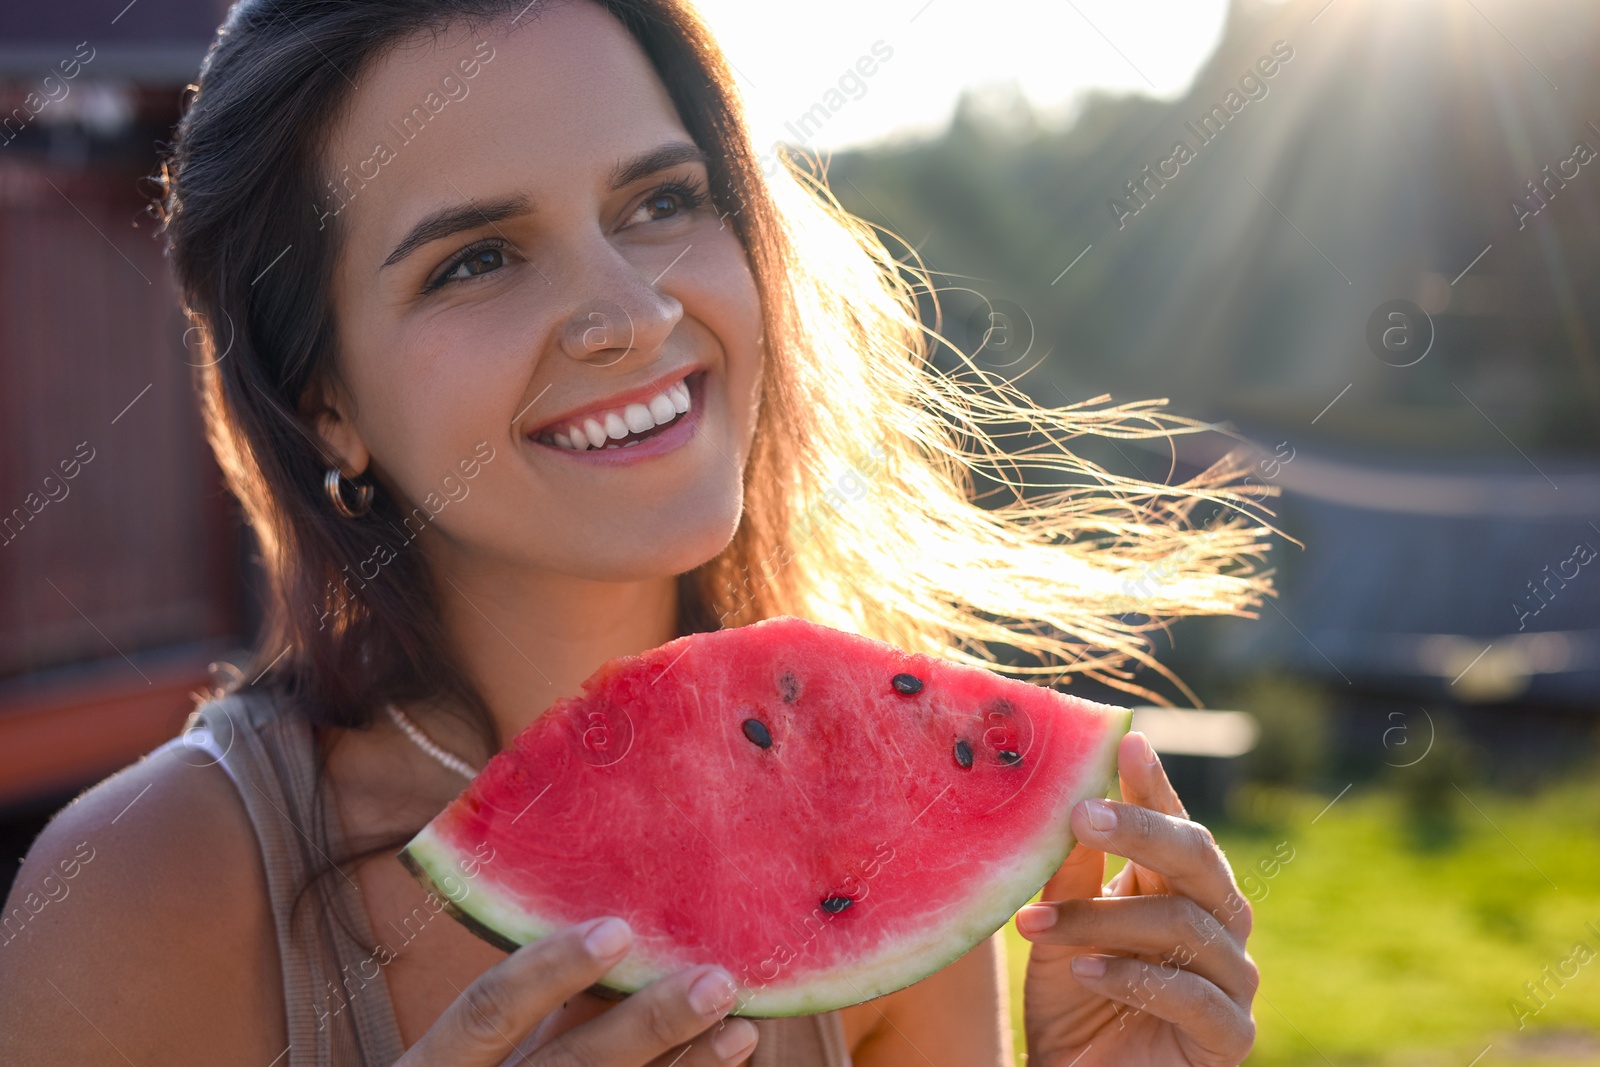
<point x="140" y="550"/>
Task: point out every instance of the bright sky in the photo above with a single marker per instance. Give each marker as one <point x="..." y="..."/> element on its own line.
<point x="790" y="54"/>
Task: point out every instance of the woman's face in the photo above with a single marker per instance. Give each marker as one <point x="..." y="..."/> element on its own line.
<point x="535" y="272"/>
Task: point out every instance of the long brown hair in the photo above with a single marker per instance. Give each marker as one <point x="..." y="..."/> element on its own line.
<point x="253" y="246"/>
<point x="926" y="568"/>
<point x="859" y="506"/>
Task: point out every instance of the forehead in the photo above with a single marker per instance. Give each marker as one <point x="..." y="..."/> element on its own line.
<point x="546" y="106"/>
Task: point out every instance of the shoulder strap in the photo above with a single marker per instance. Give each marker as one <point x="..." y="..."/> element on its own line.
<point x="339" y="1011"/>
<point x="801" y="1041"/>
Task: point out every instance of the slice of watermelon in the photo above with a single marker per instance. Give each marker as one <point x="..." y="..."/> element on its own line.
<point x="828" y="817"/>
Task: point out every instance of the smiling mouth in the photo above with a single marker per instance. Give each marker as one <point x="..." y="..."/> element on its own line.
<point x="624" y="426"/>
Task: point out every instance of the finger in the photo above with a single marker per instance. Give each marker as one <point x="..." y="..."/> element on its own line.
<point x="1176" y="930"/>
<point x="507" y="1001"/>
<point x="1081" y="875"/>
<point x="1143" y="779"/>
<point x="1205" y="1016"/>
<point x="574" y="1011"/>
<point x="1182" y="852"/>
<point x="667" y="1013"/>
<point x="702" y="1051"/>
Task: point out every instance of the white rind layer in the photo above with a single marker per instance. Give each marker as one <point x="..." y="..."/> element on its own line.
<point x="895" y="965"/>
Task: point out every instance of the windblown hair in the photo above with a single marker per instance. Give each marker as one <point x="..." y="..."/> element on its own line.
<point x="860" y="508"/>
<point x="887" y="539"/>
<point x="909" y="556"/>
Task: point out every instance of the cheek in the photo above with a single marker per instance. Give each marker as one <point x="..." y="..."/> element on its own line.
<point x="437" y="395"/>
<point x="721" y="294"/>
<point x="445" y="387"/>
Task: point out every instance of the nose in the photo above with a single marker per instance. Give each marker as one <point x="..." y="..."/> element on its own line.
<point x="617" y="313"/>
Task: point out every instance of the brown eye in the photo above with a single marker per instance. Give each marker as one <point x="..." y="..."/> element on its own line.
<point x="662" y="205"/>
<point x="483" y="261"/>
<point x="670" y="201"/>
<point x="473" y="263"/>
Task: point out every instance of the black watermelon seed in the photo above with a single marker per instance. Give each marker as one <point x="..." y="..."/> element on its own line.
<point x="1009" y="757"/>
<point x="963" y="754"/>
<point x="756" y="731"/>
<point x="906" y="684"/>
<point x="788" y="687"/>
<point x="834" y="905"/>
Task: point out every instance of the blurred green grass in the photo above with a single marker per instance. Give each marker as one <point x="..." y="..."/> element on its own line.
<point x="1379" y="944"/>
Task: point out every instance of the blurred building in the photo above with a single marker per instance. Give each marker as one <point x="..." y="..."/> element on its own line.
<point x="119" y="551"/>
<point x="1338" y="159"/>
<point x="1471" y="583"/>
<point x="1241" y="250"/>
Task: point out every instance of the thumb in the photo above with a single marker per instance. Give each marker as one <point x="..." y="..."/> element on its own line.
<point x="1081" y="875"/>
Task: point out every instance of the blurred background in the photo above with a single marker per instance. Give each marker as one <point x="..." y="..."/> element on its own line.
<point x="1360" y="236"/>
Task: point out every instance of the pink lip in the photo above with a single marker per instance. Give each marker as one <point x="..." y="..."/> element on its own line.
<point x="674" y="436"/>
<point x="613" y="403"/>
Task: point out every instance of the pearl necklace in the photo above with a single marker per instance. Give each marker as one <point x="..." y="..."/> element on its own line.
<point x="426" y="743"/>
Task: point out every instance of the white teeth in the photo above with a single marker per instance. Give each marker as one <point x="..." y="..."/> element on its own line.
<point x="662" y="409"/>
<point x="638" y="419"/>
<point x="596" y="431"/>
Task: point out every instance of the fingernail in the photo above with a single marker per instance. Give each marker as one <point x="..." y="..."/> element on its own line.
<point x="610" y="937"/>
<point x="1149" y="750"/>
<point x="1102" y="816"/>
<point x="1036" y="917"/>
<point x="734" y="1039"/>
<point x="712" y="992"/>
<point x="1089" y="966"/>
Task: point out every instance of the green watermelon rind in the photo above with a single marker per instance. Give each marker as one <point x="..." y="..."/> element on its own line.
<point x="504" y="923"/>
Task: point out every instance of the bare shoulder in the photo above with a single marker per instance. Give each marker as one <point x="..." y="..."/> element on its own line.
<point x="139" y="928"/>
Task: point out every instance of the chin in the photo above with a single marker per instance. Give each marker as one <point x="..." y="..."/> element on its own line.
<point x="661" y="545"/>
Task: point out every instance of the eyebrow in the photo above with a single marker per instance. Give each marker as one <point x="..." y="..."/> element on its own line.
<point x="446" y="221"/>
<point x="672" y="154"/>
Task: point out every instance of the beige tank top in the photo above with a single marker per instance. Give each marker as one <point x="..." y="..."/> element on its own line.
<point x="339" y="1012"/>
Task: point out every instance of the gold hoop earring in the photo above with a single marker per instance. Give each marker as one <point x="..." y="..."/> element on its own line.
<point x="333" y="482"/>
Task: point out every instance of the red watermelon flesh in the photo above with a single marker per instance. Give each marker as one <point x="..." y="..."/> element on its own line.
<point x="826" y="816"/>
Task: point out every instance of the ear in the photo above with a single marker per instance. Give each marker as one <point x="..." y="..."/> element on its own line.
<point x="331" y="413"/>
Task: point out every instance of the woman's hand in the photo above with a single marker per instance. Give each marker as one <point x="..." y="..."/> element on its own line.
<point x="491" y="1018"/>
<point x="1151" y="969"/>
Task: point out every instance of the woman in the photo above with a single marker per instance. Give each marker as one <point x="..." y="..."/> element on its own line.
<point x="518" y="362"/>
